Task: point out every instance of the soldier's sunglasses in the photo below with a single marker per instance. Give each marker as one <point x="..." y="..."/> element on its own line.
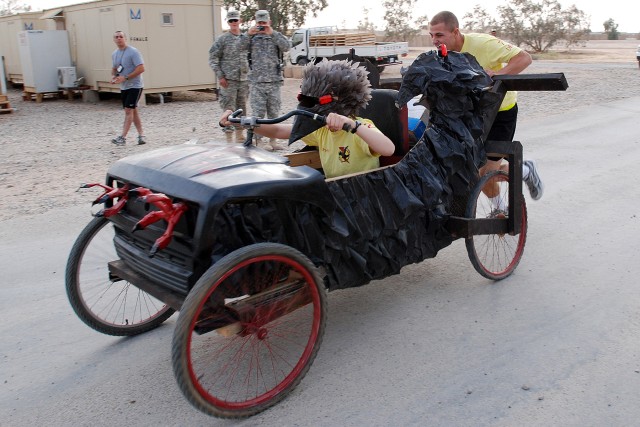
<point x="232" y="20"/>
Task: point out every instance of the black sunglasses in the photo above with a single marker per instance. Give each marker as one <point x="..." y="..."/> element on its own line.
<point x="310" y="101"/>
<point x="232" y="20"/>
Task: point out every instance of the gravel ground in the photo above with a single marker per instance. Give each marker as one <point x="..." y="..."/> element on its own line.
<point x="49" y="148"/>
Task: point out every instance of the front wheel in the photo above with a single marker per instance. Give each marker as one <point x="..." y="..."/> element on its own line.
<point x="494" y="256"/>
<point x="249" y="330"/>
<point x="302" y="62"/>
<point x="106" y="303"/>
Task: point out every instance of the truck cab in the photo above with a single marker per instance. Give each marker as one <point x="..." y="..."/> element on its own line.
<point x="299" y="52"/>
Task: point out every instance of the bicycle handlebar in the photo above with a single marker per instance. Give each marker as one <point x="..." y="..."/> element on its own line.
<point x="252" y="122"/>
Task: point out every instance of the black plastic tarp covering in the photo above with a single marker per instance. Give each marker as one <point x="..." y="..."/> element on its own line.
<point x="453" y="88"/>
<point x="385" y="220"/>
<point x="389" y="218"/>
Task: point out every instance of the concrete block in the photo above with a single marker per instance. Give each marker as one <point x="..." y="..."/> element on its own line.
<point x="90" y="96"/>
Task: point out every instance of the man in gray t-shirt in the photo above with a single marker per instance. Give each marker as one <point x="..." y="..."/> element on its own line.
<point x="127" y="70"/>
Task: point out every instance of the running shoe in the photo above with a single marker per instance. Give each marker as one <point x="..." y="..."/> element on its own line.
<point x="121" y="140"/>
<point x="533" y="181"/>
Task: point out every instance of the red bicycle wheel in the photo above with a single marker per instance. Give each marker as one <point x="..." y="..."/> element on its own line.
<point x="249" y="330"/>
<point x="495" y="256"/>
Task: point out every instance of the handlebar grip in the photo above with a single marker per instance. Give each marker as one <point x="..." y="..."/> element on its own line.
<point x="323" y="119"/>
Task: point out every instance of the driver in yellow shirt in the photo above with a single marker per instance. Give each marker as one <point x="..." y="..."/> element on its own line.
<point x="336" y="89"/>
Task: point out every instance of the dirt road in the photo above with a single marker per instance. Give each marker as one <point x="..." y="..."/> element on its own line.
<point x="438" y="345"/>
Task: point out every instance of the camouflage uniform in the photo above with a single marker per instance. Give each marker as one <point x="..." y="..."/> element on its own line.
<point x="228" y="59"/>
<point x="266" y="73"/>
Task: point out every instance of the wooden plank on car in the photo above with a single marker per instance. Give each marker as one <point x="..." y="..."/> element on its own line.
<point x="533" y="82"/>
<point x="305" y="158"/>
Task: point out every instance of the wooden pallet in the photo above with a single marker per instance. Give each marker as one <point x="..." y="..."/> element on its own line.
<point x="29" y="94"/>
<point x="5" y="106"/>
<point x="342" y="39"/>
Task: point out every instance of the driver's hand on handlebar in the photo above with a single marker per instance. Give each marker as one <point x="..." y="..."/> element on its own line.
<point x="335" y="122"/>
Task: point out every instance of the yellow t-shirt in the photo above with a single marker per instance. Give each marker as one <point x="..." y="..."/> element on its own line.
<point x="492" y="53"/>
<point x="342" y="153"/>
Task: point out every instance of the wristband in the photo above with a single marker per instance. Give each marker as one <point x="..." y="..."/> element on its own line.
<point x="355" y="128"/>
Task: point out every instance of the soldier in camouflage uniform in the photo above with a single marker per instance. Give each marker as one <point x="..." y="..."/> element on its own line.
<point x="228" y="59"/>
<point x="266" y="49"/>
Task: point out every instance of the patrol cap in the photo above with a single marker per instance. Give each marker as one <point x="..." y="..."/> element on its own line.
<point x="262" y="16"/>
<point x="233" y="14"/>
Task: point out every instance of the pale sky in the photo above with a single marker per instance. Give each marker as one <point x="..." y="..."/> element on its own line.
<point x="347" y="13"/>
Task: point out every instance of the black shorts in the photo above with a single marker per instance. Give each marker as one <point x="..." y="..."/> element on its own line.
<point x="504" y="127"/>
<point x="130" y="97"/>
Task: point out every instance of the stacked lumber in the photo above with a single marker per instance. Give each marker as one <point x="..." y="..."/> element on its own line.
<point x="5" y="106"/>
<point x="342" y="39"/>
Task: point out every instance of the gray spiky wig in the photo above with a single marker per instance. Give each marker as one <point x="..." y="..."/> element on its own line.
<point x="345" y="80"/>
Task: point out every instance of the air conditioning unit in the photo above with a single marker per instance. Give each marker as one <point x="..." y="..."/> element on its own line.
<point x="67" y="77"/>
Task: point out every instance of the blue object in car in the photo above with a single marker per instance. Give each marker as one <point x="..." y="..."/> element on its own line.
<point x="416" y="127"/>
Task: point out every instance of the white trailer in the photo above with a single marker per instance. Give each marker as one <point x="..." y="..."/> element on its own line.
<point x="174" y="37"/>
<point x="10" y="26"/>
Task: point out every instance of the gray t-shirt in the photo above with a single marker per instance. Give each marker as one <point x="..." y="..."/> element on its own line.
<point x="129" y="58"/>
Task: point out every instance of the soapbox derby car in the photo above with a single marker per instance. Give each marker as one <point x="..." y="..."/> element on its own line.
<point x="245" y="243"/>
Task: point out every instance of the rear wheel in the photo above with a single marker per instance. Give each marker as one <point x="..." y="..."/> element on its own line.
<point x="107" y="304"/>
<point x="249" y="330"/>
<point x="495" y="256"/>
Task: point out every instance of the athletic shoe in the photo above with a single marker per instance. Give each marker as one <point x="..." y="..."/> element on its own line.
<point x="142" y="140"/>
<point x="498" y="213"/>
<point x="533" y="181"/>
<point x="121" y="140"/>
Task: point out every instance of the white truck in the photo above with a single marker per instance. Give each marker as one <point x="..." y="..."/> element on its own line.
<point x="313" y="44"/>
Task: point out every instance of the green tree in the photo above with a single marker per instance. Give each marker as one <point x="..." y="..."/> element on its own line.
<point x="576" y="26"/>
<point x="11" y="7"/>
<point x="540" y="25"/>
<point x="285" y="14"/>
<point x="365" y="24"/>
<point x="400" y="22"/>
<point x="479" y="21"/>
<point x="611" y="28"/>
